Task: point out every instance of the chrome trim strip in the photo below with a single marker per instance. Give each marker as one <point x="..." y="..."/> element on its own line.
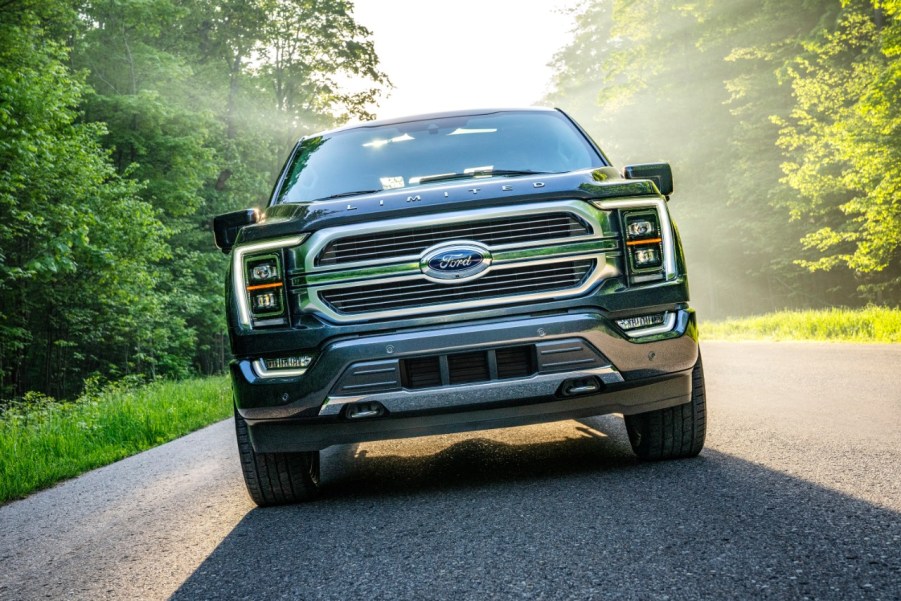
<point x="667" y="326"/>
<point x="461" y="395"/>
<point x="319" y="240"/>
<point x="263" y="372"/>
<point x="666" y="226"/>
<point x="239" y="285"/>
<point x="602" y="270"/>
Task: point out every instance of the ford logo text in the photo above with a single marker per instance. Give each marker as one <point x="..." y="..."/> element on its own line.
<point x="455" y="261"/>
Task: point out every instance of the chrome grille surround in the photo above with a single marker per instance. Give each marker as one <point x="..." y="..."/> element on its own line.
<point x="392" y="287"/>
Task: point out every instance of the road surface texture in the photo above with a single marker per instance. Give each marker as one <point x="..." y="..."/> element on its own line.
<point x="797" y="495"/>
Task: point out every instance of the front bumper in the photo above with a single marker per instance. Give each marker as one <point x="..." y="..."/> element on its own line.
<point x="308" y="412"/>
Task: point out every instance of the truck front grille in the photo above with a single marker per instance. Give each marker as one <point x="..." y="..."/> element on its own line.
<point x="533" y="252"/>
<point x="414" y="240"/>
<point x="517" y="281"/>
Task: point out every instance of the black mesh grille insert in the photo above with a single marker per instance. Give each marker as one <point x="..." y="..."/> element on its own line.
<point x="468" y="367"/>
<point x="517" y="362"/>
<point x="412" y="241"/>
<point x="421" y="372"/>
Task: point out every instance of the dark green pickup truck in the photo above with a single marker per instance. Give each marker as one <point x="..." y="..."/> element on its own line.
<point x="451" y="272"/>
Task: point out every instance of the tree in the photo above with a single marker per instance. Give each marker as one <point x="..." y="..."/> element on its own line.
<point x="843" y="145"/>
<point x="701" y="85"/>
<point x="125" y="126"/>
<point x="76" y="240"/>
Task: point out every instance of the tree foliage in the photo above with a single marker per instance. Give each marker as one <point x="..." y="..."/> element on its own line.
<point x="77" y="243"/>
<point x="842" y="143"/>
<point x="125" y="126"/>
<point x="781" y="122"/>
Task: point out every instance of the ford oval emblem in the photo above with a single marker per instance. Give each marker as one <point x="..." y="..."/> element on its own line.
<point x="455" y="262"/>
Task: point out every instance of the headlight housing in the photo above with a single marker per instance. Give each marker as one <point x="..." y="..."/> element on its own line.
<point x="258" y="277"/>
<point x="644" y="244"/>
<point x="265" y="285"/>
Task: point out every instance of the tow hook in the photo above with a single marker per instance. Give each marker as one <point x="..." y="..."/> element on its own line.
<point x="580" y="386"/>
<point x="364" y="410"/>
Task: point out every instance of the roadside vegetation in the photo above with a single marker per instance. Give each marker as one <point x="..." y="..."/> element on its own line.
<point x="872" y="324"/>
<point x="44" y="441"/>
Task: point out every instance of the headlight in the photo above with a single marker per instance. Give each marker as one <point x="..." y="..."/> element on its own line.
<point x="265" y="287"/>
<point x="644" y="244"/>
<point x="263" y="271"/>
<point x="646" y="257"/>
<point x="639" y="228"/>
<point x="265" y="301"/>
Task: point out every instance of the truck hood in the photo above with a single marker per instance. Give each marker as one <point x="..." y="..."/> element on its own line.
<point x="292" y="218"/>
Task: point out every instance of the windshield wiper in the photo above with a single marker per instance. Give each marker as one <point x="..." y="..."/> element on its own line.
<point x="480" y="173"/>
<point x="343" y="194"/>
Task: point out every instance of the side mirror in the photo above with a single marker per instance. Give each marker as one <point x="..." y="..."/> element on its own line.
<point x="226" y="227"/>
<point x="659" y="173"/>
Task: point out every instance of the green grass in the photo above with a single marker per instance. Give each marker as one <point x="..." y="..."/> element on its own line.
<point x="872" y="324"/>
<point x="43" y="441"/>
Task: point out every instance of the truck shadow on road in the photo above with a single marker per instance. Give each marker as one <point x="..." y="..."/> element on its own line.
<point x="572" y="517"/>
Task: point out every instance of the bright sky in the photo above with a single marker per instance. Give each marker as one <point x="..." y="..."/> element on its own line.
<point x="465" y="53"/>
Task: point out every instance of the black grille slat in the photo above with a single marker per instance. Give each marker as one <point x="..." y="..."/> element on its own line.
<point x="378" y="246"/>
<point x="422" y="372"/>
<point x="501" y="283"/>
<point x="516" y="362"/>
<point x="412" y="241"/>
<point x="386" y="249"/>
<point x="408" y="289"/>
<point x="449" y="296"/>
<point x="488" y="228"/>
<point x="468" y="367"/>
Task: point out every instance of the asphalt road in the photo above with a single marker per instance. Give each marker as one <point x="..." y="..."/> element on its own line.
<point x="797" y="495"/>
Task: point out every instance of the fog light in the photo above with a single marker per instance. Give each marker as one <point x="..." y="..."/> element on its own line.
<point x="282" y="367"/>
<point x="299" y="362"/>
<point x="643" y="321"/>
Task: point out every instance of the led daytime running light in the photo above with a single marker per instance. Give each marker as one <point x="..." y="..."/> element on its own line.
<point x="301" y="362"/>
<point x="648" y="325"/>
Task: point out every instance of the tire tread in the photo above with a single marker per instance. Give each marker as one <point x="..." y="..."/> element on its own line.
<point x="276" y="478"/>
<point x="675" y="432"/>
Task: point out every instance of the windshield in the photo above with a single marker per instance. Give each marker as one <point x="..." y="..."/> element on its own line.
<point x="419" y="153"/>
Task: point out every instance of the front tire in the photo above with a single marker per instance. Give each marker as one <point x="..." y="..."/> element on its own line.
<point x="276" y="478"/>
<point x="675" y="432"/>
